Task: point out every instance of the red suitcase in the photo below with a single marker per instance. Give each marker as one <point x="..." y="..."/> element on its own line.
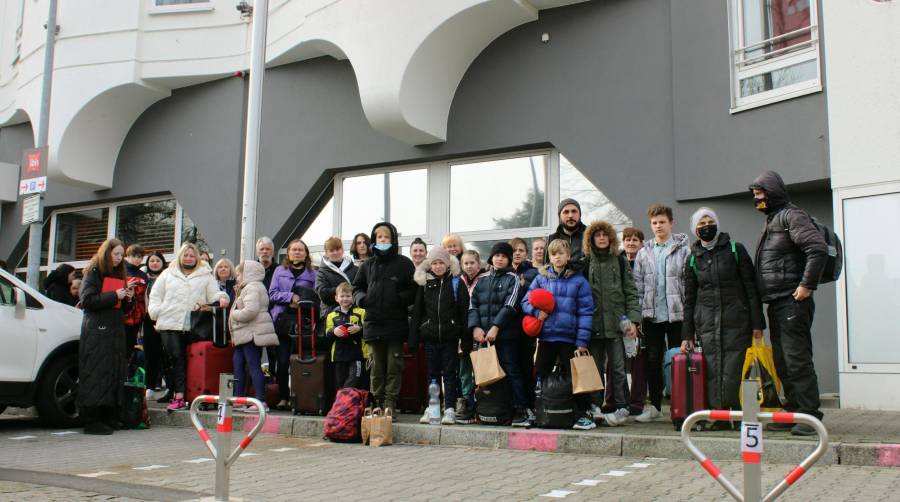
<point x="688" y="386"/>
<point x="204" y="364"/>
<point x="413" y="383"/>
<point x="310" y="379"/>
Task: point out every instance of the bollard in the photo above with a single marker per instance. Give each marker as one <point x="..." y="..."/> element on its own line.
<point x="222" y="445"/>
<point x="751" y="441"/>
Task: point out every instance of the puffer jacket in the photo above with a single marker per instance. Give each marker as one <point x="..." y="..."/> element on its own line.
<point x="440" y="312"/>
<point x="250" y="313"/>
<point x="570" y="321"/>
<point x="329" y="276"/>
<point x="576" y="253"/>
<point x="384" y="287"/>
<point x="612" y="284"/>
<point x="175" y="295"/>
<point x="645" y="277"/>
<point x="494" y="303"/>
<point x="791" y="251"/>
<point x="284" y="285"/>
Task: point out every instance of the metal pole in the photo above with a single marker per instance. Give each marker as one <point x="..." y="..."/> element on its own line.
<point x="223" y="435"/>
<point x="35" y="229"/>
<point x="387" y="197"/>
<point x="254" y="115"/>
<point x="752" y="465"/>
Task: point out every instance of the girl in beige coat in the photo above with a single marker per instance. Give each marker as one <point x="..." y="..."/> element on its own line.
<point x="251" y="327"/>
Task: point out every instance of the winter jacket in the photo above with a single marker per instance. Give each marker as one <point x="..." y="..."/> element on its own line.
<point x="384" y="287"/>
<point x="56" y="286"/>
<point x="440" y="312"/>
<point x="791" y="251"/>
<point x="101" y="351"/>
<point x="351" y="347"/>
<point x="330" y="276"/>
<point x="470" y="283"/>
<point x="570" y="321"/>
<point x="270" y="271"/>
<point x="284" y="286"/>
<point x="645" y="278"/>
<point x="494" y="303"/>
<point x="250" y="313"/>
<point x="577" y="255"/>
<point x="612" y="284"/>
<point x="140" y="280"/>
<point x="175" y="295"/>
<point x="228" y="287"/>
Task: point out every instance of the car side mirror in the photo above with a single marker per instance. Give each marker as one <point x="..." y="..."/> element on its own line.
<point x="19" y="296"/>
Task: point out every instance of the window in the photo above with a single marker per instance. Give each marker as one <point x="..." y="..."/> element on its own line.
<point x="151" y="224"/>
<point x="594" y="205"/>
<point x="179" y="2"/>
<point x="6" y="292"/>
<point x="190" y="233"/>
<point x="389" y="196"/>
<point x="79" y="234"/>
<point x="775" y="51"/>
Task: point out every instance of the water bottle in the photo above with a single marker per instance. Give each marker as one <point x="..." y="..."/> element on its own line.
<point x="631" y="343"/>
<point x="434" y="402"/>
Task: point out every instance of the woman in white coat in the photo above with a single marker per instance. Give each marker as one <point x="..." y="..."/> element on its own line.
<point x="181" y="288"/>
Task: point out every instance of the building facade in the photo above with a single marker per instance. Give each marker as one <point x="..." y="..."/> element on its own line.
<point x="473" y="116"/>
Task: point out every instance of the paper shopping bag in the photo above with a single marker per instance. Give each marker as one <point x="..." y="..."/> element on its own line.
<point x="486" y="365"/>
<point x="381" y="428"/>
<point x="365" y="424"/>
<point x="585" y="376"/>
<point x="760" y="357"/>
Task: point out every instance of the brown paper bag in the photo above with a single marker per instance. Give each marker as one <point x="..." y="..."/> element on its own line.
<point x="486" y="365"/>
<point x="585" y="376"/>
<point x="381" y="428"/>
<point x="364" y="425"/>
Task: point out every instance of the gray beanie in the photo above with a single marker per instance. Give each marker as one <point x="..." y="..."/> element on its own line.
<point x="699" y="214"/>
<point x="565" y="202"/>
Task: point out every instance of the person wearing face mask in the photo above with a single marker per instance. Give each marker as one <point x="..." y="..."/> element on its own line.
<point x="721" y="307"/>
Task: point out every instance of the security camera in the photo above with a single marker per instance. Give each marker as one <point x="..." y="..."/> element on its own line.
<point x="244" y="8"/>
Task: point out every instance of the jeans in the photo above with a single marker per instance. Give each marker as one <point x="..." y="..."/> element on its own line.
<point x="443" y="363"/>
<point x="386" y="361"/>
<point x="655" y="334"/>
<point x="551" y="354"/>
<point x="510" y="361"/>
<point x="609" y="354"/>
<point x="248" y="354"/>
<point x="175" y="343"/>
<point x="790" y="324"/>
<point x="347" y="374"/>
<point x="467" y="379"/>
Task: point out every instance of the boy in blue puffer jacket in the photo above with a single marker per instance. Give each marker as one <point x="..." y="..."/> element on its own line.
<point x="568" y="327"/>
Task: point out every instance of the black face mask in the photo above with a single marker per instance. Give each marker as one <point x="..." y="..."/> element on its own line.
<point x="762" y="205"/>
<point x="708" y="233"/>
<point x="189" y="267"/>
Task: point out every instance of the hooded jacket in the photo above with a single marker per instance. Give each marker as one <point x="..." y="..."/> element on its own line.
<point x="570" y="321"/>
<point x="791" y="251"/>
<point x="645" y="277"/>
<point x="440" y="312"/>
<point x="494" y="302"/>
<point x="284" y="285"/>
<point x="612" y="283"/>
<point x="250" y="313"/>
<point x="384" y="287"/>
<point x="56" y="285"/>
<point x="175" y="295"/>
<point x="577" y="255"/>
<point x="330" y="276"/>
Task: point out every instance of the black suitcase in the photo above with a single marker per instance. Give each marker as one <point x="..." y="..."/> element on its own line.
<point x="309" y="373"/>
<point x="493" y="403"/>
<point x="554" y="403"/>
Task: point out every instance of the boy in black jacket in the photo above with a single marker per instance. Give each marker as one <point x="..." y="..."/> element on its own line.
<point x="344" y="325"/>
<point x="439" y="318"/>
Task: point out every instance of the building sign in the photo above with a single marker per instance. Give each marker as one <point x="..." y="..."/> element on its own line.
<point x="33" y="175"/>
<point x="31" y="209"/>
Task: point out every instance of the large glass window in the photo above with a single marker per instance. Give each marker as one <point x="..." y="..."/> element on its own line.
<point x="594" y="205"/>
<point x="80" y="233"/>
<point x="151" y="224"/>
<point x="400" y="197"/>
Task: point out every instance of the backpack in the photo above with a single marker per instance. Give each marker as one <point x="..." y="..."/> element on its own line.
<point x="831" y="272"/>
<point x="493" y="403"/>
<point x="343" y="420"/>
<point x="554" y="403"/>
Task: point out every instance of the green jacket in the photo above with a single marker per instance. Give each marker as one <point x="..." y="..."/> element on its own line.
<point x="614" y="293"/>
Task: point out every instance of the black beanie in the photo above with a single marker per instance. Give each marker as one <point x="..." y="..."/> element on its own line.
<point x="502" y="248"/>
<point x="565" y="202"/>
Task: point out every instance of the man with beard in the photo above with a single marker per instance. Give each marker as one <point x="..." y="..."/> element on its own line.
<point x="571" y="230"/>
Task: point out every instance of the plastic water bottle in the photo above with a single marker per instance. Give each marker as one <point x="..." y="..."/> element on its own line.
<point x="434" y="403"/>
<point x="631" y="343"/>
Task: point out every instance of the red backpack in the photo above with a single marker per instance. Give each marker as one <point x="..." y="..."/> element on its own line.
<point x="342" y="421"/>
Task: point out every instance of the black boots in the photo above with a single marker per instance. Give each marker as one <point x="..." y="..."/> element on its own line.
<point x="93" y="422"/>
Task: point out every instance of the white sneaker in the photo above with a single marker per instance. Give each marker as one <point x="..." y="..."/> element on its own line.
<point x="649" y="414"/>
<point x="610" y="419"/>
<point x="622" y="415"/>
<point x="449" y="417"/>
<point x="426" y="418"/>
<point x="151" y="394"/>
<point x="595" y="412"/>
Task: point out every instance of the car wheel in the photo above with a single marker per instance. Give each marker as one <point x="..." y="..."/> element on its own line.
<point x="57" y="391"/>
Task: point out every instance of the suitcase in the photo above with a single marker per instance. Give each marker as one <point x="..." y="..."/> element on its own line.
<point x="413" y="388"/>
<point x="688" y="385"/>
<point x="309" y="373"/>
<point x="271" y="396"/>
<point x="204" y="364"/>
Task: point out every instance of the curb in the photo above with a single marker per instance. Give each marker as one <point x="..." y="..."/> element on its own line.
<point x="562" y="441"/>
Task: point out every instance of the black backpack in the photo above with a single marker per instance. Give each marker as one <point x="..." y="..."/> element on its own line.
<point x="554" y="403"/>
<point x="835" y="262"/>
<point x="493" y="403"/>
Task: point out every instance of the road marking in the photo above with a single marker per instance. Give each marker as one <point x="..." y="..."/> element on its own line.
<point x="63" y="433"/>
<point x="617" y="474"/>
<point x="249" y="454"/>
<point x="639" y="465"/>
<point x="198" y="460"/>
<point x="557" y="494"/>
<point x="656" y="459"/>
<point x="282" y="450"/>
<point x="96" y="474"/>
<point x="150" y="467"/>
<point x="20" y="438"/>
<point x="589" y="482"/>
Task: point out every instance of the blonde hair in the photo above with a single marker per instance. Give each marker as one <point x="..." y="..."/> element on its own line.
<point x="184" y="249"/>
<point x="229" y="264"/>
<point x="453" y="238"/>
<point x="343" y="287"/>
<point x="558" y="246"/>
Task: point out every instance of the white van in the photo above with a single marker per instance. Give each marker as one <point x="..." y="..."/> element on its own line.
<point x="38" y="352"/>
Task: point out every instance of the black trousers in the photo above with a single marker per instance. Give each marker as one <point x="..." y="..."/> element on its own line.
<point x="790" y="326"/>
<point x="175" y="343"/>
<point x="347" y="374"/>
<point x="154" y="357"/>
<point x="655" y="335"/>
<point x="526" y="356"/>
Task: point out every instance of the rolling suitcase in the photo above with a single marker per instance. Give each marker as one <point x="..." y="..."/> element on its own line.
<point x="413" y="380"/>
<point x="206" y="360"/>
<point x="309" y="375"/>
<point x="688" y="385"/>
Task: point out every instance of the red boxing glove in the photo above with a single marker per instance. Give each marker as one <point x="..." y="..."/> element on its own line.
<point x="344" y="330"/>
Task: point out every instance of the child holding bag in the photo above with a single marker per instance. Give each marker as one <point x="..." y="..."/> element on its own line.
<point x="251" y="328"/>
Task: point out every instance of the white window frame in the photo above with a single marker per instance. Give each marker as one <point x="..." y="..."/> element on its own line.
<point x="195" y="6"/>
<point x="742" y="68"/>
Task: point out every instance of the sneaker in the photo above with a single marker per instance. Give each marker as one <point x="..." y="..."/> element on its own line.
<point x="461" y="406"/>
<point x="803" y="430"/>
<point x="584" y="424"/>
<point x="150" y="395"/>
<point x="166" y="398"/>
<point x="622" y="415"/>
<point x="779" y="427"/>
<point x="596" y="412"/>
<point x="425" y="418"/>
<point x="649" y="414"/>
<point x="529" y="413"/>
<point x="465" y="418"/>
<point x="449" y="417"/>
<point x="177" y="404"/>
<point x="520" y="419"/>
<point x="251" y="408"/>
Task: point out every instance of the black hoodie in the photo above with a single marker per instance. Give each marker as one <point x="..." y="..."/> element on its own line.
<point x="384" y="287"/>
<point x="56" y="286"/>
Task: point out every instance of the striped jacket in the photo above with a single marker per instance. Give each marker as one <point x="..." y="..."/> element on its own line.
<point x="494" y="302"/>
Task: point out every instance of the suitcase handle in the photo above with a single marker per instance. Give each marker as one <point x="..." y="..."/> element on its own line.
<point x="312" y="317"/>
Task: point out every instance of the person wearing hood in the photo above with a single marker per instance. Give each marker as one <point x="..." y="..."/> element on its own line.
<point x="790" y="258"/>
<point x="614" y="295"/>
<point x="336" y="267"/>
<point x="249" y="322"/>
<point x="658" y="272"/>
<point x="138" y="280"/>
<point x="384" y="287"/>
<point x="571" y="230"/>
<point x="56" y="285"/>
<point x="439" y="320"/>
<point x="182" y="287"/>
<point x="721" y="307"/>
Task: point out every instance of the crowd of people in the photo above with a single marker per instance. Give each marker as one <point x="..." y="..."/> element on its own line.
<point x="669" y="290"/>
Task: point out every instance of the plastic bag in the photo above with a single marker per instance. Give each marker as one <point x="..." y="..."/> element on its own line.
<point x="759" y="355"/>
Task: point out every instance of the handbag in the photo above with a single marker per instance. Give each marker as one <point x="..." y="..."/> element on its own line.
<point x="760" y="358"/>
<point x="486" y="365"/>
<point x="585" y="375"/>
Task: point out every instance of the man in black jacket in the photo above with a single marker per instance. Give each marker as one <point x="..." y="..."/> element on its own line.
<point x="789" y="262"/>
<point x="571" y="230"/>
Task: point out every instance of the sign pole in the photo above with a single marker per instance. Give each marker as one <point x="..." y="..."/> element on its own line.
<point x="751" y="441"/>
<point x="223" y="435"/>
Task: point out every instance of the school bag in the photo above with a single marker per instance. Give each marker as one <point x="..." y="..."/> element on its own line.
<point x="493" y="403"/>
<point x="834" y="264"/>
<point x="343" y="420"/>
<point x="554" y="403"/>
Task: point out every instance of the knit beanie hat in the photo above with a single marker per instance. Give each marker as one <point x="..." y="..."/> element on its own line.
<point x="502" y="248"/>
<point x="565" y="202"/>
<point x="440" y="254"/>
<point x="699" y="214"/>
